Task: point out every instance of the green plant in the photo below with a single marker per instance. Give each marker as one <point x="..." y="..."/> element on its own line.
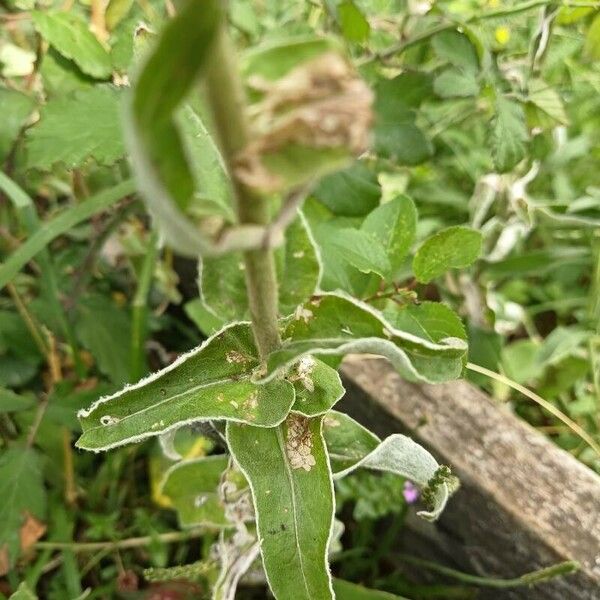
<point x="266" y="385"/>
<point x="482" y="115"/>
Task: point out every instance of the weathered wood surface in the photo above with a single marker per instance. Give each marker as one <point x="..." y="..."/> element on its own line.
<point x="523" y="503"/>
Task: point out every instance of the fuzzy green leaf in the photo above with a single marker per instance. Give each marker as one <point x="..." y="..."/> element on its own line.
<point x="222" y="279"/>
<point x="318" y="387"/>
<point x="435" y="322"/>
<point x="346" y="440"/>
<point x="453" y="248"/>
<point x="288" y="472"/>
<point x="298" y="267"/>
<point x="22" y="492"/>
<point x="394" y="225"/>
<point x="214" y="195"/>
<point x="69" y="34"/>
<point x="213" y="381"/>
<point x="153" y="134"/>
<point x="93" y="130"/>
<point x="192" y="486"/>
<point x="280" y="159"/>
<point x="338" y="325"/>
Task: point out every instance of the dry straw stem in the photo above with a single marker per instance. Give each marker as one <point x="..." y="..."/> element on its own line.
<point x="543" y="403"/>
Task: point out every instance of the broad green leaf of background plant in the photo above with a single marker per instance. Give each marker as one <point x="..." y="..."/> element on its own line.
<point x="338" y="325"/>
<point x="69" y="34"/>
<point x="16" y="107"/>
<point x="289" y="475"/>
<point x="508" y="134"/>
<point x="457" y="49"/>
<point x="213" y="381"/>
<point x="105" y="330"/>
<point x="592" y="40"/>
<point x="454" y="83"/>
<point x="452" y="248"/>
<point x="396" y="134"/>
<point x="61" y="76"/>
<point x="346" y="440"/>
<point x="352" y="192"/>
<point x="12" y="402"/>
<point x="222" y="279"/>
<point x="92" y="130"/>
<point x="544" y="97"/>
<point x="394" y="225"/>
<point x="343" y="246"/>
<point x="318" y="387"/>
<point x="22" y="492"/>
<point x="353" y="24"/>
<point x="561" y="343"/>
<point x="192" y="486"/>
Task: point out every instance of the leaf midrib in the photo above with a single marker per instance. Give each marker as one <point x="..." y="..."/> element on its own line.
<point x="290" y="479"/>
<point x="167" y="399"/>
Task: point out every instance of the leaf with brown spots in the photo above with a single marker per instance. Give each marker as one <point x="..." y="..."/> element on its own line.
<point x="289" y="475"/>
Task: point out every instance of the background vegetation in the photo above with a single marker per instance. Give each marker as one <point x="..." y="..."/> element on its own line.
<point x="487" y="115"/>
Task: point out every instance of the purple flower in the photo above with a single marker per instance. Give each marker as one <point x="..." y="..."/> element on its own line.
<point x="410" y="492"/>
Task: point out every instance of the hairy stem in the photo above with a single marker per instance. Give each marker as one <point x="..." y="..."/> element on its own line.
<point x="226" y="98"/>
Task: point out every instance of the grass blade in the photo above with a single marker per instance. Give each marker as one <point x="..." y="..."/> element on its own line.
<point x="59" y="225"/>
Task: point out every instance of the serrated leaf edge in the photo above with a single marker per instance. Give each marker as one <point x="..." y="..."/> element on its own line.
<point x="172" y="468"/>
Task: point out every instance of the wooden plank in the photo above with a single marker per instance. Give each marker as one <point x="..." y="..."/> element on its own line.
<point x="523" y="504"/>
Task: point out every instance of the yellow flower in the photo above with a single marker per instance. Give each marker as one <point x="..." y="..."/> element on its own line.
<point x="502" y="35"/>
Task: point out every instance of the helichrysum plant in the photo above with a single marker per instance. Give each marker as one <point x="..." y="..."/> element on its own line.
<point x="226" y="149"/>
